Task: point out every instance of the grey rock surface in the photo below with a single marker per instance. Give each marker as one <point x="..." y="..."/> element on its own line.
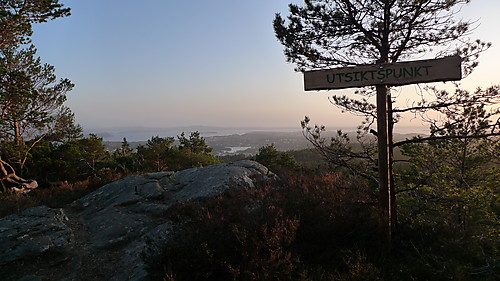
<point x="36" y="231"/>
<point x="115" y="231"/>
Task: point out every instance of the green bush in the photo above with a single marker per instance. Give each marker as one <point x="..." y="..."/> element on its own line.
<point x="276" y="161"/>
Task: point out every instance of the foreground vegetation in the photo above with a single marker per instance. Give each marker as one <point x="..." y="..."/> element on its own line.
<point x="320" y="227"/>
<point x="317" y="222"/>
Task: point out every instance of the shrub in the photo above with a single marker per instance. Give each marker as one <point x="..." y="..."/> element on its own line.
<point x="300" y="229"/>
<point x="317" y="228"/>
<point x="55" y="197"/>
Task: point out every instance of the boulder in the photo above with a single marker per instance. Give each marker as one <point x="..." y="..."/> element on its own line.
<point x="115" y="231"/>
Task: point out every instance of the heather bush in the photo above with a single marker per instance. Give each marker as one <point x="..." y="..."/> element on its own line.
<point x="316" y="228"/>
<point x="304" y="228"/>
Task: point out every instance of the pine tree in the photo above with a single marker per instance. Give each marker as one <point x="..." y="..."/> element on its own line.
<point x="325" y="34"/>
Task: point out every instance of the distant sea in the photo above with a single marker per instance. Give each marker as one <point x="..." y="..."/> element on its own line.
<point x="145" y="133"/>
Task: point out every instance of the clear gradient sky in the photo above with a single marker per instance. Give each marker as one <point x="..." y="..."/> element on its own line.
<point x="164" y="63"/>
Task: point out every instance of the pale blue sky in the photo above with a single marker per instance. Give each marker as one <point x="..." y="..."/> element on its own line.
<point x="163" y="63"/>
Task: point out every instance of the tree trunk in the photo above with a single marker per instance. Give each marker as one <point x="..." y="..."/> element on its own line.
<point x="18" y="184"/>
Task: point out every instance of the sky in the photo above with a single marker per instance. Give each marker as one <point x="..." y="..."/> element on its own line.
<point x="170" y="63"/>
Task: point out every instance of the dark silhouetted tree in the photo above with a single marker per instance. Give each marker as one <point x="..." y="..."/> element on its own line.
<point x="193" y="151"/>
<point x="76" y="160"/>
<point x="276" y="160"/>
<point x="195" y="143"/>
<point x="31" y="107"/>
<point x="324" y="34"/>
<point x="31" y="104"/>
<point x="31" y="100"/>
<point x="153" y="156"/>
<point x="124" y="157"/>
<point x="455" y="175"/>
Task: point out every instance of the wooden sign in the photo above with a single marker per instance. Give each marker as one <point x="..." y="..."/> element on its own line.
<point x="393" y="74"/>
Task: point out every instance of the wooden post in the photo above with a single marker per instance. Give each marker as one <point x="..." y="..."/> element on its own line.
<point x="384" y="162"/>
<point x="382" y="75"/>
<point x="392" y="191"/>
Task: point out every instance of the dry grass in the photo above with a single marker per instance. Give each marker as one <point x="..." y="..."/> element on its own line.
<point x="54" y="197"/>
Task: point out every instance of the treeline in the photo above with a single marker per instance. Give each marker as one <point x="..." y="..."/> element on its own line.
<point x="87" y="158"/>
<point x="68" y="170"/>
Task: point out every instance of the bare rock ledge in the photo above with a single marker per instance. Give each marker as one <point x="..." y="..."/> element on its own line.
<point x="113" y="232"/>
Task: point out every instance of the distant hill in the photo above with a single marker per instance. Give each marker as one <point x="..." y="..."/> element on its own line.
<point x="134" y="134"/>
<point x="249" y="143"/>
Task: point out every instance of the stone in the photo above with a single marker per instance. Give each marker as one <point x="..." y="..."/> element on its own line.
<point x="115" y="232"/>
<point x="36" y="231"/>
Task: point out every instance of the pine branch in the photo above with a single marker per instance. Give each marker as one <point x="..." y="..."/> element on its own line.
<point x="427" y="107"/>
<point x="421" y="140"/>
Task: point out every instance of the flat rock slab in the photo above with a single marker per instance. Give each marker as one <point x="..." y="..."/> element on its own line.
<point x="36" y="231"/>
<point x="115" y="231"/>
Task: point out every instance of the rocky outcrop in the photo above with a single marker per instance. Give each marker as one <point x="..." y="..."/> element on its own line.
<point x="114" y="232"/>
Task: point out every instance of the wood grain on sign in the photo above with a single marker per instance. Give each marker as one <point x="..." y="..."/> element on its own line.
<point x="392" y="74"/>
